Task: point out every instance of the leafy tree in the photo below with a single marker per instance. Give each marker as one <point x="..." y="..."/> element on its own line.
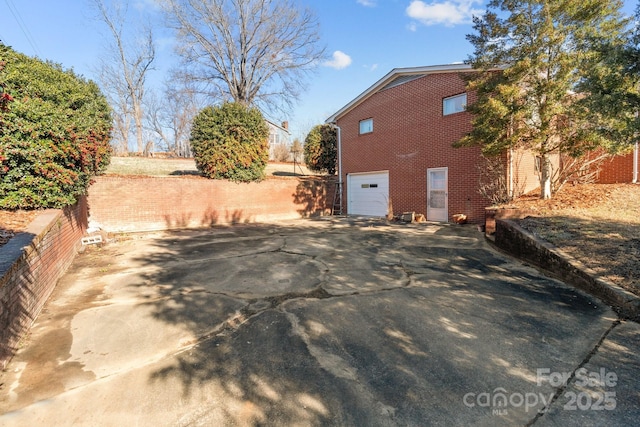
<point x="613" y="86"/>
<point x="544" y="49"/>
<point x="54" y="133"/>
<point x="321" y="149"/>
<point x="230" y="142"/>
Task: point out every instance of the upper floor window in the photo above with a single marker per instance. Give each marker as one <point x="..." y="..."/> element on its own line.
<point x="366" y="126"/>
<point x="454" y="104"/>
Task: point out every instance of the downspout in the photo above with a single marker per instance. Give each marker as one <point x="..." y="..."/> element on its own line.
<point x="340" y="154"/>
<point x="635" y="163"/>
<point x="340" y="187"/>
<point x="635" y="156"/>
<point x="510" y="171"/>
<point x="511" y="191"/>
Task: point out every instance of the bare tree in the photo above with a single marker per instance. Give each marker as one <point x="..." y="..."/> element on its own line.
<point x="255" y="52"/>
<point x="583" y="169"/>
<point x="280" y="153"/>
<point x="124" y="71"/>
<point x="121" y="113"/>
<point x="170" y="118"/>
<point x="494" y="183"/>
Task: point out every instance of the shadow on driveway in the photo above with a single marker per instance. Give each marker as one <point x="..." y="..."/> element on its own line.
<point x="325" y="322"/>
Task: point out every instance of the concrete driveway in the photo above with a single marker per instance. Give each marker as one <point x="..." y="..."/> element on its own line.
<point x="323" y="322"/>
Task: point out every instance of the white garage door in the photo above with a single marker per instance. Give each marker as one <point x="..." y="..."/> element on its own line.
<point x="368" y="193"/>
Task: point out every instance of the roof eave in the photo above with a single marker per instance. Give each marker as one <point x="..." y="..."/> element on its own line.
<point x="278" y="126"/>
<point x="396" y="72"/>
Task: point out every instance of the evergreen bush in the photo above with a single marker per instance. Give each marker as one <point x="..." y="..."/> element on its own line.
<point x="230" y="142"/>
<point x="321" y="149"/>
<point x="54" y="133"/>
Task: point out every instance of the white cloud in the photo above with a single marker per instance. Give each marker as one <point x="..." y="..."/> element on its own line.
<point x="449" y="12"/>
<point x="339" y="60"/>
<point x="371" y="67"/>
<point x="147" y="4"/>
<point x="165" y="42"/>
<point x="367" y="3"/>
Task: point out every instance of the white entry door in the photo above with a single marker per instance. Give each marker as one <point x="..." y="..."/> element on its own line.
<point x="437" y="195"/>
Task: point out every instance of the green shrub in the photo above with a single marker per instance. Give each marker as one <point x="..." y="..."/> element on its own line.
<point x="230" y="142"/>
<point x="321" y="149"/>
<point x="54" y="133"/>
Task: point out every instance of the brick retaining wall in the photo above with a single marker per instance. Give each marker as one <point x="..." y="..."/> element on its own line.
<point x="30" y="265"/>
<point x="518" y="242"/>
<point x="492" y="214"/>
<point x="129" y="204"/>
<point x="32" y="262"/>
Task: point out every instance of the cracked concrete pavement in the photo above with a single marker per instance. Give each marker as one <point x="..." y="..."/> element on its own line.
<point x="319" y="322"/>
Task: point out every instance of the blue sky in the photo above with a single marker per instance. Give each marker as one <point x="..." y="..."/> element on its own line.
<point x="364" y="39"/>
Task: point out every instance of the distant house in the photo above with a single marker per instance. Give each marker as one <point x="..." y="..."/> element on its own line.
<point x="279" y="135"/>
<point x="396" y="154"/>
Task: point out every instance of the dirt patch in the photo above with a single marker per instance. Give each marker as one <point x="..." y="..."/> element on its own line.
<point x="598" y="224"/>
<point x="12" y="222"/>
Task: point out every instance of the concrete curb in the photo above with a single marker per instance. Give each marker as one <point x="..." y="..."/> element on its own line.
<point x="518" y="242"/>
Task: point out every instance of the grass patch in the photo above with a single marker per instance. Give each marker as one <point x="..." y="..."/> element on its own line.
<point x="146" y="166"/>
<point x="151" y="167"/>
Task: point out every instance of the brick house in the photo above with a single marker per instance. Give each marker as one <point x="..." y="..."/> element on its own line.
<point x="621" y="168"/>
<point x="396" y="154"/>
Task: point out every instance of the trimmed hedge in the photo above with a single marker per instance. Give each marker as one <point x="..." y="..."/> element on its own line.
<point x="321" y="149"/>
<point x="54" y="133"/>
<point x="230" y="142"/>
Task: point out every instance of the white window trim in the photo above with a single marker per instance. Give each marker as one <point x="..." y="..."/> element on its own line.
<point x="360" y="132"/>
<point x="444" y="101"/>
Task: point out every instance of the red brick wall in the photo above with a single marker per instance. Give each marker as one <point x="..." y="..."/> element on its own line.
<point x="410" y="134"/>
<point x="30" y="265"/>
<point x="618" y="169"/>
<point x="122" y="204"/>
